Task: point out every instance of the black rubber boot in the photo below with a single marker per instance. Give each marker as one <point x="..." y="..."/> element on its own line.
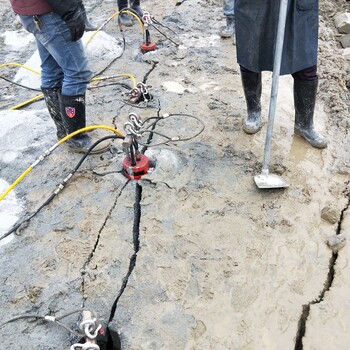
<point x="124" y="18"/>
<point x="88" y="25"/>
<point x="304" y="102"/>
<point x="229" y="30"/>
<point x="135" y="5"/>
<point x="73" y="115"/>
<point x="251" y="82"/>
<point x="51" y="96"/>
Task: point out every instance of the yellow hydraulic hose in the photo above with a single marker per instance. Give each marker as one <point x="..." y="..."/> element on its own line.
<point x="19" y="65"/>
<point x="40" y="96"/>
<point x="88" y="128"/>
<point x="131" y="77"/>
<point x="25" y="173"/>
<point x="14" y="64"/>
<point x="36" y="98"/>
<point x="98" y="29"/>
<point x="137" y="18"/>
<point x="118" y="75"/>
<point x="49" y="151"/>
<point x="110" y="18"/>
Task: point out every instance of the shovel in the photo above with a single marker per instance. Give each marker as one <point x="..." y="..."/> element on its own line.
<point x="266" y="180"/>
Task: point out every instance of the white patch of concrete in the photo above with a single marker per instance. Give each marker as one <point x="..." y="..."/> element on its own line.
<point x="10" y="209"/>
<point x="18" y="39"/>
<point x="174" y="87"/>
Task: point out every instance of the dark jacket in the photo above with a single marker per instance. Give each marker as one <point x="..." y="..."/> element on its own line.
<point x="40" y="7"/>
<point x="256" y="30"/>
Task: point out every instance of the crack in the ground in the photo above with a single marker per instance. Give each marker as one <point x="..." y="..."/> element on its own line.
<point x="327" y="285"/>
<point x="154" y="64"/>
<point x="136" y="224"/>
<point x="136" y="242"/>
<point x="158" y="182"/>
<point x="180" y="2"/>
<point x="136" y="234"/>
<point x="89" y="258"/>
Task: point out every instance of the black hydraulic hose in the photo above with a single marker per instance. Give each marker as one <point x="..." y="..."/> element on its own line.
<point x="163" y="25"/>
<point x="114" y="59"/>
<point x="159" y="31"/>
<point x="136" y="146"/>
<point x="150" y="129"/>
<point x="125" y="86"/>
<point x="129" y="9"/>
<point x="132" y="156"/>
<point x="148" y="36"/>
<point x="59" y="187"/>
<point x="20" y="85"/>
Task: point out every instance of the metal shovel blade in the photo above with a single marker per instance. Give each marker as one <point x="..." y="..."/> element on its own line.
<point x="266" y="180"/>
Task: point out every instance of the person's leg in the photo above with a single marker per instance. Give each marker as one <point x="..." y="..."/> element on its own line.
<point x="252" y="86"/>
<point x="228" y="9"/>
<point x="135" y="5"/>
<point x="63" y="62"/>
<point x="51" y="96"/>
<point x="124" y="18"/>
<point x="51" y="80"/>
<point x="88" y="25"/>
<point x="305" y="92"/>
<point x="59" y="54"/>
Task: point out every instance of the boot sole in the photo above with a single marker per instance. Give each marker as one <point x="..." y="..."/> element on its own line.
<point x="226" y="36"/>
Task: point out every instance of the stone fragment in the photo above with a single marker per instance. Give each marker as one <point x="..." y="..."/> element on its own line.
<point x="330" y="214"/>
<point x="336" y="242"/>
<point x="345" y="41"/>
<point x="342" y="23"/>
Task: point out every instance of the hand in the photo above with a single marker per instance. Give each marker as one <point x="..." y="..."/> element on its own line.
<point x="75" y="22"/>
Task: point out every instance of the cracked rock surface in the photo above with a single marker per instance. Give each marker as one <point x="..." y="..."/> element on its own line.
<point x="194" y="255"/>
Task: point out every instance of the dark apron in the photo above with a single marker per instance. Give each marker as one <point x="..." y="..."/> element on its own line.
<point x="256" y="30"/>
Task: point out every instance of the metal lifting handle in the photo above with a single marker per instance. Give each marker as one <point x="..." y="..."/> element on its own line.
<point x="275" y="77"/>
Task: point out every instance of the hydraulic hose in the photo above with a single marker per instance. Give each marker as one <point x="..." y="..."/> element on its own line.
<point x="118" y="75"/>
<point x="34" y="99"/>
<point x="113" y="16"/>
<point x="19" y="65"/>
<point x="40" y="96"/>
<point x="59" y="188"/>
<point x="49" y="151"/>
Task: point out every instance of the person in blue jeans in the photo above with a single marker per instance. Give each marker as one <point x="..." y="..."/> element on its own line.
<point x="58" y="27"/>
<point x="229" y="12"/>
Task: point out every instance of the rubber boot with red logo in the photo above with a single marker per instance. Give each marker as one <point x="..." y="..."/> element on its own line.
<point x="74" y="118"/>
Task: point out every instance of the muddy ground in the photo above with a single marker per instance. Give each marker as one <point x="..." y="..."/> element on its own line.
<point x="197" y="256"/>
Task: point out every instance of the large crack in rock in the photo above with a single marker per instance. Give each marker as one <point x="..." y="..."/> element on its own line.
<point x="302" y="326"/>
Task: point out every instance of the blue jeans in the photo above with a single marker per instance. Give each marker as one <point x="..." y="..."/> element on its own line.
<point x="63" y="62"/>
<point x="229" y="7"/>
